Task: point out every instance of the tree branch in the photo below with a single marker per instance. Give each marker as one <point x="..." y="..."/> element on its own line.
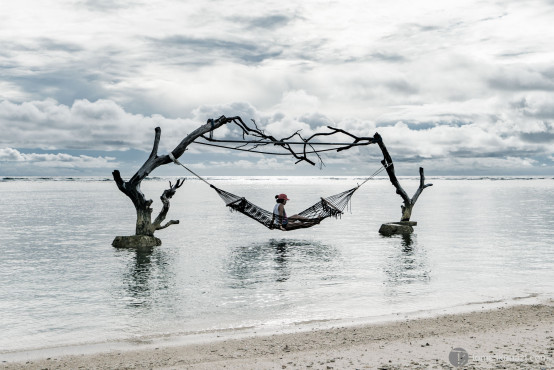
<point x="257" y="132"/>
<point x="389" y="165"/>
<point x="169" y="223"/>
<point x="165" y="197"/>
<point x="422" y="186"/>
<point x="263" y="139"/>
<point x="209" y="126"/>
<point x="157" y="136"/>
<point x="149" y="165"/>
<point x="119" y="181"/>
<point x="154" y="161"/>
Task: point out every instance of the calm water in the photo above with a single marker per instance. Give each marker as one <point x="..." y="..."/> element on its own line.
<point x="61" y="281"/>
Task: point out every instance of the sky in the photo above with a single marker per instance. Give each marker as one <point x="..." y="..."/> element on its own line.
<point x="457" y="87"/>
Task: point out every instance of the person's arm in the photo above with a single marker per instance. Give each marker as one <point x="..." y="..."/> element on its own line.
<point x="281" y="210"/>
<point x="281" y="216"/>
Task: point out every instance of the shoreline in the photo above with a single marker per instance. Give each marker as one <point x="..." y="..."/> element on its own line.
<point x="512" y="336"/>
<point x="219" y="334"/>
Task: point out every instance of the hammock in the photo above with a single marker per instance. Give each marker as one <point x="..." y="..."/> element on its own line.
<point x="331" y="206"/>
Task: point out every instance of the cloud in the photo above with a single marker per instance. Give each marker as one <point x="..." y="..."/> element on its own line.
<point x="184" y="49"/>
<point x="387" y="57"/>
<point x="59" y="160"/>
<point x="537" y="106"/>
<point x="45" y="43"/>
<point x="10" y="155"/>
<point x="108" y="5"/>
<point x="430" y="135"/>
<point x="541" y="137"/>
<point x="522" y="77"/>
<point x="84" y="125"/>
<point x="439" y="82"/>
<point x="270" y="22"/>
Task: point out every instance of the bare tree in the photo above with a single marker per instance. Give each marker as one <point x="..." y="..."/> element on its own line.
<point x="131" y="188"/>
<point x="389" y="165"/>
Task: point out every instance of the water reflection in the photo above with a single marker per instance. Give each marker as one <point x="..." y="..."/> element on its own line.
<point x="138" y="276"/>
<point x="145" y="277"/>
<point x="281" y="260"/>
<point x="276" y="260"/>
<point x="406" y="266"/>
<point x="407" y="242"/>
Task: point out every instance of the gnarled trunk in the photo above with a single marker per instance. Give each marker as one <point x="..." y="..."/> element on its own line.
<point x="144" y="225"/>
<point x="406" y="212"/>
<point x="144" y="222"/>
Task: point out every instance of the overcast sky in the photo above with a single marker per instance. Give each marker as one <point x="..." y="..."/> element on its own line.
<point x="458" y="87"/>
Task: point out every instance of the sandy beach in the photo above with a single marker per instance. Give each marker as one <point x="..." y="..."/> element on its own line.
<point x="511" y="337"/>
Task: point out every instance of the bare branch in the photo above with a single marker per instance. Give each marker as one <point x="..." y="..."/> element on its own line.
<point x="119" y="181"/>
<point x="149" y="165"/>
<point x="263" y="139"/>
<point x="165" y="197"/>
<point x="421" y="186"/>
<point x="209" y="126"/>
<point x="389" y="165"/>
<point x="154" y="161"/>
<point x="169" y="223"/>
<point x="157" y="136"/>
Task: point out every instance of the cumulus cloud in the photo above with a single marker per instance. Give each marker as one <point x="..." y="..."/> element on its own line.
<point x="10" y="155"/>
<point x="102" y="124"/>
<point x="58" y="160"/>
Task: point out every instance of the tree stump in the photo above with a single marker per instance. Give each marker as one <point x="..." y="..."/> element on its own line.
<point x="400" y="227"/>
<point x="136" y="241"/>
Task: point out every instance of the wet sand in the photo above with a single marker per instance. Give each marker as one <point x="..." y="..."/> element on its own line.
<point x="512" y="337"/>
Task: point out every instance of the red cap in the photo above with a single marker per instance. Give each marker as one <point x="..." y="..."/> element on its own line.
<point x="282" y="196"/>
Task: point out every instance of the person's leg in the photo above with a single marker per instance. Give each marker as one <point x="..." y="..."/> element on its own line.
<point x="298" y="217"/>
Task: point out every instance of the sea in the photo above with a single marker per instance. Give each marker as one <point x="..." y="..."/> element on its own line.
<point x="479" y="241"/>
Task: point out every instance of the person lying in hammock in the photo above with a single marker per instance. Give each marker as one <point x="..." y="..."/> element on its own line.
<point x="281" y="221"/>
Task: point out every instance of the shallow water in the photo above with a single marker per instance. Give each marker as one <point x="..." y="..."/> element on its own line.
<point x="62" y="282"/>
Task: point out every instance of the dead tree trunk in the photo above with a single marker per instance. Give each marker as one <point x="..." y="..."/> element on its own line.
<point x="409" y="203"/>
<point x="144" y="225"/>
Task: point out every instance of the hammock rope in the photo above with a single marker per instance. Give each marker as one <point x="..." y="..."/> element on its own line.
<point x="331" y="206"/>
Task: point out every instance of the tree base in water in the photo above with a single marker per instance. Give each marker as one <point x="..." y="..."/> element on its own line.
<point x="400" y="227"/>
<point x="136" y="241"/>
